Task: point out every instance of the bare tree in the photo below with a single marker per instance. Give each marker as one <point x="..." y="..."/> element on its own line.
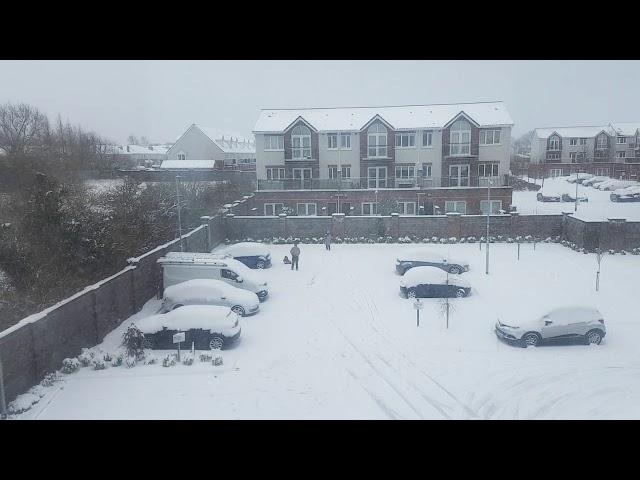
<point x="132" y="140"/>
<point x="22" y="127"/>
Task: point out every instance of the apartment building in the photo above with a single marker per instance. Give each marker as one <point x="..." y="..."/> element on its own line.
<point x="612" y="150"/>
<point x="430" y="158"/>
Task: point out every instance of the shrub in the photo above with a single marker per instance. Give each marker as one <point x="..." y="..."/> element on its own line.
<point x="49" y="379"/>
<point x="107" y="357"/>
<point x="133" y="342"/>
<point x="471" y="240"/>
<point x="131" y="362"/>
<point x="70" y="365"/>
<point x="206" y="357"/>
<point x="453" y="240"/>
<point x="509" y="240"/>
<point x="151" y="360"/>
<point x="217" y="359"/>
<point x="117" y="361"/>
<point x="86" y="357"/>
<point x="435" y="239"/>
<point x="168" y="361"/>
<point x="99" y="364"/>
<point x="188" y="360"/>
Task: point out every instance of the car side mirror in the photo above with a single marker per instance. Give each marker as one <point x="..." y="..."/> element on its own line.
<point x="548" y="322"/>
<point x="239" y="279"/>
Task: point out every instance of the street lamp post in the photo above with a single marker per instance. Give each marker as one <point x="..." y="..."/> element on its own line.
<point x="376" y="201"/>
<point x="179" y="213"/>
<point x="575" y="209"/>
<point x="488" y="212"/>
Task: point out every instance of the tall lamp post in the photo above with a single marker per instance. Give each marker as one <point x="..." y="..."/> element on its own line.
<point x="489" y="181"/>
<point x="575" y="209"/>
<point x="179" y="212"/>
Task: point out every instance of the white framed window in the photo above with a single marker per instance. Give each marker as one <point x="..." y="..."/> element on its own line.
<point x="182" y="156"/>
<point x="496" y="206"/>
<point x="555" y="172"/>
<point x="458" y="206"/>
<point x="458" y="175"/>
<point x="407" y="208"/>
<point x="573" y="142"/>
<point x="333" y="172"/>
<point x="306" y="209"/>
<point x="602" y="172"/>
<point x="622" y="140"/>
<point x="273" y="208"/>
<point x="274" y="142"/>
<point x="426" y="169"/>
<point x="406" y="171"/>
<point x="554" y="143"/>
<point x="427" y="138"/>
<point x="377" y="141"/>
<point x="345" y="141"/>
<point x="488" y="170"/>
<point x="275" y="173"/>
<point x="301" y="142"/>
<point x="377" y="177"/>
<point x="460" y="138"/>
<point x="302" y="177"/>
<point x="573" y="156"/>
<point x="405" y="139"/>
<point x="553" y="156"/>
<point x="583" y="141"/>
<point x="621" y="154"/>
<point x="369" y="208"/>
<point x="601" y="142"/>
<point x="489" y="137"/>
<point x="332" y="141"/>
<point x="346" y="171"/>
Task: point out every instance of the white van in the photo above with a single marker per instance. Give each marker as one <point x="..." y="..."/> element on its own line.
<point x="179" y="267"/>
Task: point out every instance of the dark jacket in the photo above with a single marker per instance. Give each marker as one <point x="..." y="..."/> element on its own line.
<point x="295" y="252"/>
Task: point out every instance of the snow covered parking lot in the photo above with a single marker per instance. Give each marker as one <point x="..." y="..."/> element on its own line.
<point x="336" y="340"/>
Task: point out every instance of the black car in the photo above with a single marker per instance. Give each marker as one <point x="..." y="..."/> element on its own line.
<point x="430" y="282"/>
<point x="548" y="197"/>
<point x="425" y="258"/>
<point x="252" y="254"/>
<point x="568" y="198"/>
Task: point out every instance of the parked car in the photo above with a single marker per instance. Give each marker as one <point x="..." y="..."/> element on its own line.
<point x="425" y="258"/>
<point x="629" y="194"/>
<point x="210" y="292"/>
<point x="432" y="282"/>
<point x="207" y="326"/>
<point x="548" y="197"/>
<point x="568" y="198"/>
<point x="179" y="267"/>
<point x="616" y="184"/>
<point x="590" y="181"/>
<point x="580" y="177"/>
<point x="252" y="254"/>
<point x="566" y="324"/>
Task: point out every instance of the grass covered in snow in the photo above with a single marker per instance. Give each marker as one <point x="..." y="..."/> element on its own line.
<point x="335" y="340"/>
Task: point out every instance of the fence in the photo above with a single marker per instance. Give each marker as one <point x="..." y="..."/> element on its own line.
<point x="37" y="344"/>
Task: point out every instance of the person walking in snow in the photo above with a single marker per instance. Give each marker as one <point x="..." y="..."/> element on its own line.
<point x="327" y="240"/>
<point x="295" y="253"/>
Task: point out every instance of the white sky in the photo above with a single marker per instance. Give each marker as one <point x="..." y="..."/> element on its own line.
<point x="160" y="99"/>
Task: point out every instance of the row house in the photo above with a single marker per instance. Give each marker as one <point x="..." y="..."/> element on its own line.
<point x="365" y="154"/>
<point x="612" y="150"/>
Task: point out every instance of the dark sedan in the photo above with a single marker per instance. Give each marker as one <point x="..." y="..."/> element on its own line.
<point x="425" y="258"/>
<point x="252" y="254"/>
<point x="430" y="282"/>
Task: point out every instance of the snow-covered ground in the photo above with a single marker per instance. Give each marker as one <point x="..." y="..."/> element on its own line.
<point x="598" y="208"/>
<point x="335" y="340"/>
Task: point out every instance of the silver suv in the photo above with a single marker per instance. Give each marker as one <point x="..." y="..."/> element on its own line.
<point x="562" y="324"/>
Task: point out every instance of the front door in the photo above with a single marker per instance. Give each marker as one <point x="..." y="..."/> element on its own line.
<point x="302" y="178"/>
<point x="332" y="207"/>
<point x="377" y="177"/>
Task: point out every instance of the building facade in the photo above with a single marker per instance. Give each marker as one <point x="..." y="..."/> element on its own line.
<point x="608" y="150"/>
<point x="429" y="158"/>
<point x="229" y="151"/>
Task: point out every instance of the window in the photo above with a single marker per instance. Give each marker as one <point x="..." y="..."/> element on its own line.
<point x="622" y="140"/>
<point x="553" y="156"/>
<point x="555" y="172"/>
<point x="576" y="157"/>
<point x="273" y="208"/>
<point x="405" y="171"/>
<point x="306" y="209"/>
<point x="602" y="142"/>
<point x="460" y="138"/>
<point x="554" y="143"/>
<point x="333" y="172"/>
<point x="273" y="142"/>
<point x="455" y="206"/>
<point x="345" y="141"/>
<point x="377" y="177"/>
<point x="182" y="156"/>
<point x="224" y="273"/>
<point x="488" y="170"/>
<point x="573" y="156"/>
<point x="621" y="154"/>
<point x="332" y="141"/>
<point x="426" y="169"/>
<point x="346" y="171"/>
<point x="301" y="142"/>
<point x="459" y="175"/>
<point x="405" y="140"/>
<point x="496" y="206"/>
<point x="275" y="173"/>
<point x="489" y="137"/>
<point x="369" y="208"/>
<point x="427" y="138"/>
<point x="573" y="142"/>
<point x="377" y="141"/>
<point x="407" y="208"/>
<point x="602" y="172"/>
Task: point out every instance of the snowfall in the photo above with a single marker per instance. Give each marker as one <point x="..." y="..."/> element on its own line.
<point x="335" y="340"/>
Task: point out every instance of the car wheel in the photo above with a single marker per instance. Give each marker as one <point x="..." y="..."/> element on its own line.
<point x="216" y="342"/>
<point x="530" y="339"/>
<point x="238" y="309"/>
<point x="260" y="264"/>
<point x="454" y="270"/>
<point x="539" y="197"/>
<point x="412" y="293"/>
<point x="177" y="306"/>
<point x="461" y="293"/>
<point x="593" y="336"/>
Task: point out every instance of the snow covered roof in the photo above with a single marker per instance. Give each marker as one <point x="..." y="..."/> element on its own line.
<point x="574" y="132"/>
<point x="626" y="129"/>
<point x="399" y="117"/>
<point x="229" y="142"/>
<point x="161" y="149"/>
<point x="188" y="164"/>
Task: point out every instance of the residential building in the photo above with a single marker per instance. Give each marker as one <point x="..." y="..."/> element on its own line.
<point x="612" y="150"/>
<point x="431" y="158"/>
<point x="230" y="151"/>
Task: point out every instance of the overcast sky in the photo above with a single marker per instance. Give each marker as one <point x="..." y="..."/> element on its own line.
<point x="160" y="99"/>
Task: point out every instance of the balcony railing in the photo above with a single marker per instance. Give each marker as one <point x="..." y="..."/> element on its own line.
<point x="370" y="183"/>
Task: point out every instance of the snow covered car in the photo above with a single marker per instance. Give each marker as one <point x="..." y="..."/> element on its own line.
<point x="597" y="179"/>
<point x="548" y="197"/>
<point x="629" y="194"/>
<point x="567" y="324"/>
<point x="569" y="198"/>
<point x="210" y="292"/>
<point x="431" y="282"/>
<point x="207" y="326"/>
<point x="580" y="177"/>
<point x="615" y="184"/>
<point x="425" y="258"/>
<point x="252" y="254"/>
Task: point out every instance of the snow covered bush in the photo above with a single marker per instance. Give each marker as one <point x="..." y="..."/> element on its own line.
<point x="500" y="238"/>
<point x="117" y="360"/>
<point x="133" y="342"/>
<point x="453" y="240"/>
<point x="216" y="358"/>
<point x="528" y="238"/>
<point x="509" y="240"/>
<point x="463" y="239"/>
<point x="471" y="240"/>
<point x="22" y="403"/>
<point x="443" y="240"/>
<point x="99" y="364"/>
<point x="435" y="239"/>
<point x="205" y="357"/>
<point x="50" y="378"/>
<point x="151" y="360"/>
<point x="131" y="362"/>
<point x="169" y="361"/>
<point x="519" y="239"/>
<point x="107" y="357"/>
<point x="188" y="360"/>
<point x="86" y="357"/>
<point x="70" y="365"/>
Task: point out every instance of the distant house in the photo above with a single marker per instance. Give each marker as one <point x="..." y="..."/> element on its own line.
<point x="229" y="150"/>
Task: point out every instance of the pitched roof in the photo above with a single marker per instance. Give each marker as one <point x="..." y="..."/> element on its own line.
<point x="626" y="129"/>
<point x="400" y="117"/>
<point x="567" y="132"/>
<point x="229" y="142"/>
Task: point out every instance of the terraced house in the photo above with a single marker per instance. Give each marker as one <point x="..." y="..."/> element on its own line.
<point x="611" y="150"/>
<point x="420" y="159"/>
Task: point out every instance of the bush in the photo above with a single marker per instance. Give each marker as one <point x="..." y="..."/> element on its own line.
<point x="133" y="342"/>
<point x="151" y="360"/>
<point x="188" y="360"/>
<point x="217" y="359"/>
<point x="49" y="379"/>
<point x="471" y="240"/>
<point x="117" y="361"/>
<point x="205" y="357"/>
<point x="131" y="362"/>
<point x="70" y="365"/>
<point x="107" y="357"/>
<point x="169" y="361"/>
<point x="86" y="357"/>
<point x="99" y="364"/>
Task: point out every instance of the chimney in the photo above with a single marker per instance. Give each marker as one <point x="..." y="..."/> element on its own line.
<point x="127" y="148"/>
